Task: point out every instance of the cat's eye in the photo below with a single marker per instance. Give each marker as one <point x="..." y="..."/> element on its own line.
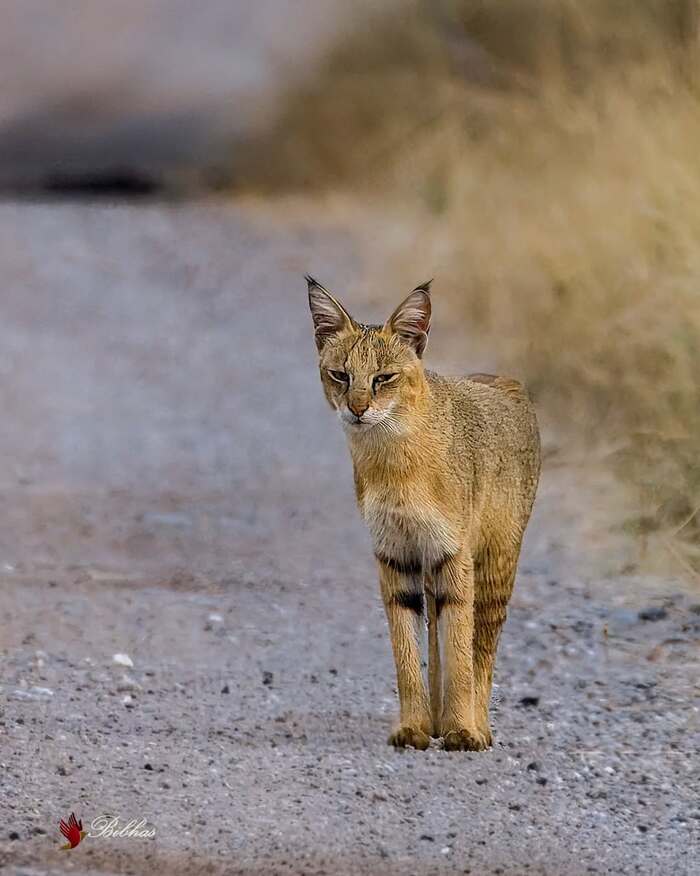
<point x="383" y="378"/>
<point x="339" y="377"/>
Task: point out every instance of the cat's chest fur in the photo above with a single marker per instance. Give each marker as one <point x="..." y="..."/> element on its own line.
<point x="408" y="528"/>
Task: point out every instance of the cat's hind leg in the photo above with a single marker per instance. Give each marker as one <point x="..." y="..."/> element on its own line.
<point x="455" y="604"/>
<point x="494" y="574"/>
<point x="434" y="667"/>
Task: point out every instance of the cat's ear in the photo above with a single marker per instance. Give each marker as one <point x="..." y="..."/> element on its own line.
<point x="411" y="319"/>
<point x="329" y="315"/>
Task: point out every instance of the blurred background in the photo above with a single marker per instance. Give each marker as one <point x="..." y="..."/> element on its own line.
<point x="540" y="157"/>
<point x="192" y="631"/>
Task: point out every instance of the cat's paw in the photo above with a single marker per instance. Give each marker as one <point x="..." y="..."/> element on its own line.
<point x="485" y="731"/>
<point x="467" y="739"/>
<point x="405" y="735"/>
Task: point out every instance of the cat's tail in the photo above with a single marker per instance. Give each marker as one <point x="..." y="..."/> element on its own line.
<point x="434" y="670"/>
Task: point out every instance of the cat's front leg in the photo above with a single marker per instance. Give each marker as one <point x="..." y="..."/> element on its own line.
<point x="455" y="602"/>
<point x="403" y="600"/>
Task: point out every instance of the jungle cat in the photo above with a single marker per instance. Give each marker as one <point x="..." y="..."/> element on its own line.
<point x="446" y="470"/>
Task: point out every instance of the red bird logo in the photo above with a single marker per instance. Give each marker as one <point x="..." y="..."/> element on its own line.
<point x="73" y="831"/>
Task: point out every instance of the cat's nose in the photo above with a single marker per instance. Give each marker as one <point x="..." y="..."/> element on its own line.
<point x="358" y="408"/>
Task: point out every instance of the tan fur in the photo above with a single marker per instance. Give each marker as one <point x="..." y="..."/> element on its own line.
<point x="446" y="471"/>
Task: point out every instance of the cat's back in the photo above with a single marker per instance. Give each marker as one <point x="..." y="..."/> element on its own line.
<point x="477" y="399"/>
<point x="492" y="424"/>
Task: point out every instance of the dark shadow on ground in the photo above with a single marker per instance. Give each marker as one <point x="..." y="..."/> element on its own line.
<point x="89" y="146"/>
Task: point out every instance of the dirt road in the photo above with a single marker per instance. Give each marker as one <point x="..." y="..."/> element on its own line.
<point x="176" y="491"/>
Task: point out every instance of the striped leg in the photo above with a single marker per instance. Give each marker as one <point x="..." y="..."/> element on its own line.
<point x="495" y="574"/>
<point x="403" y="601"/>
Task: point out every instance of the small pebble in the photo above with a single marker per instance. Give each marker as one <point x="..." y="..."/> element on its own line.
<point x="653" y="613"/>
<point x="128" y="683"/>
<point x="41" y="691"/>
<point x="122" y="660"/>
<point x="34" y="693"/>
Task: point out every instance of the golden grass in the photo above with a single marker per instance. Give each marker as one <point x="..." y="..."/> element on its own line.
<point x="546" y="154"/>
<point x="578" y="256"/>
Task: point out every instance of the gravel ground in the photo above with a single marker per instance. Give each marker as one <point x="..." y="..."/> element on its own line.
<point x="176" y="491"/>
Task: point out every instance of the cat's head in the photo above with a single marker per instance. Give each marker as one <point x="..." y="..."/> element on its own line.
<point x="372" y="374"/>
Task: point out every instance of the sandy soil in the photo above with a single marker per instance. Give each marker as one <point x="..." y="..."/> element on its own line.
<point x="175" y="490"/>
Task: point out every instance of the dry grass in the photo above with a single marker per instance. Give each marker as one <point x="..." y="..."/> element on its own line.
<point x="579" y="255"/>
<point x="547" y="153"/>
